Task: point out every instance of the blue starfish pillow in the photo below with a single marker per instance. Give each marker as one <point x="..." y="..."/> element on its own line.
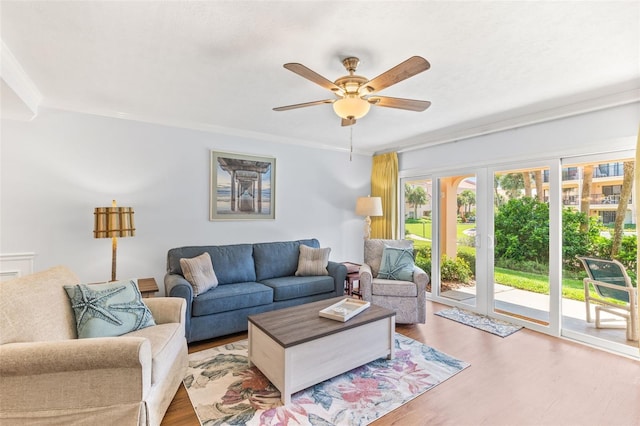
<point x="110" y="309"/>
<point x="396" y="264"/>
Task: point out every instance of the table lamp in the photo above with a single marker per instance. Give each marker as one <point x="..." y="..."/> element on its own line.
<point x="113" y="222"/>
<point x="368" y="206"/>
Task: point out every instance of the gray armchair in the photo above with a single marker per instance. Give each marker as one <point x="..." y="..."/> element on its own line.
<point x="406" y="298"/>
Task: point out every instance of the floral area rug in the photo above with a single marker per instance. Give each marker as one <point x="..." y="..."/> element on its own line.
<point x="481" y="322"/>
<point x="225" y="391"/>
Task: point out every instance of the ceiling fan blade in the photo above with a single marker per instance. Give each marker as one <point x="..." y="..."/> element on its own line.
<point x="313" y="76"/>
<point x="306" y="104"/>
<point x="400" y="103"/>
<point x="402" y="71"/>
<point x="348" y="122"/>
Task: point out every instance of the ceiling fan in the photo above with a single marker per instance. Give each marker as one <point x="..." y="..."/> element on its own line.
<point x="354" y="92"/>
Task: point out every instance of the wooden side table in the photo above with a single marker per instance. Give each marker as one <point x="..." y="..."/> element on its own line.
<point x="353" y="274"/>
<point x="147" y="286"/>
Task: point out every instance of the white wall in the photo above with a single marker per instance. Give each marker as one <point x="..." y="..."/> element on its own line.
<point x="58" y="167"/>
<point x="611" y="129"/>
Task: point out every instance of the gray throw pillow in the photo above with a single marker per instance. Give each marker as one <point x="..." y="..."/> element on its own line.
<point x="199" y="272"/>
<point x="313" y="261"/>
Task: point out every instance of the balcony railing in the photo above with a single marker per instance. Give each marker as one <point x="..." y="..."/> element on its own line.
<point x="606" y="199"/>
<point x="599" y="171"/>
<point x="571" y="200"/>
<point x="608" y="170"/>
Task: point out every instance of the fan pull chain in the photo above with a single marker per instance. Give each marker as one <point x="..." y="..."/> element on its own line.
<point x="351" y="143"/>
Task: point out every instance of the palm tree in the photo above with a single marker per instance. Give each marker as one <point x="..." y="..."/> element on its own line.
<point x="539" y="190"/>
<point x="466" y="199"/>
<point x="512" y="183"/>
<point x="415" y="196"/>
<point x="625" y="196"/>
<point x="526" y="177"/>
<point x="585" y="197"/>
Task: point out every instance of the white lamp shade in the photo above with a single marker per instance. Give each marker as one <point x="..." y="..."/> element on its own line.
<point x="369" y="206"/>
<point x="351" y="106"/>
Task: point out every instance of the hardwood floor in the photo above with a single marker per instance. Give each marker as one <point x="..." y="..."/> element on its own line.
<point x="527" y="378"/>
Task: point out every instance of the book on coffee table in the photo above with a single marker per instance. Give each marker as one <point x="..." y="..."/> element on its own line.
<point x="344" y="309"/>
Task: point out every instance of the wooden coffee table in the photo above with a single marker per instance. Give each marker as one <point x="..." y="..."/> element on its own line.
<point x="295" y="348"/>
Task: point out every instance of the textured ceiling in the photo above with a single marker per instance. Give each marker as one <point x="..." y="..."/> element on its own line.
<point x="218" y="65"/>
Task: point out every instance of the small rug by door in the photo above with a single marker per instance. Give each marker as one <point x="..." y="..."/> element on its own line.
<point x="481" y="322"/>
<point x="225" y="391"/>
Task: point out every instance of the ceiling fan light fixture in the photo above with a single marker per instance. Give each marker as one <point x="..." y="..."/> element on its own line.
<point x="351" y="106"/>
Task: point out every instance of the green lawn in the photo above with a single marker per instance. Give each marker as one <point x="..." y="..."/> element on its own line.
<point x="571" y="288"/>
<point x="424" y="229"/>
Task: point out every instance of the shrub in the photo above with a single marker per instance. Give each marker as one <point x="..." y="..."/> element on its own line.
<point x="423" y="258"/>
<point x="628" y="253"/>
<point x="574" y="241"/>
<point x="470" y="258"/>
<point x="523" y="266"/>
<point x="522" y="230"/>
<point x="456" y="270"/>
<point x="467" y="241"/>
<point x="461" y="269"/>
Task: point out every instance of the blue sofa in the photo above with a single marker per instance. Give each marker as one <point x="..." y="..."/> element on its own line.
<point x="252" y="278"/>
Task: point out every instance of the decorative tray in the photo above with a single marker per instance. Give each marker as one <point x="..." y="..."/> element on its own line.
<point x="344" y="309"/>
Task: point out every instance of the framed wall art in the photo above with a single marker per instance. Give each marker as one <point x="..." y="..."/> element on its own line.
<point x="242" y="187"/>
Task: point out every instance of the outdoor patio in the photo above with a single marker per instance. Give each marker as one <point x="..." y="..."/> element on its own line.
<point x="526" y="304"/>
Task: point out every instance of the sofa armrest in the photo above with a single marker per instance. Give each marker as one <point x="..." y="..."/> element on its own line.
<point x="339" y="273"/>
<point x="366" y="282"/>
<point x="167" y="309"/>
<point x="420" y="278"/>
<point x="74" y="374"/>
<point x="176" y="285"/>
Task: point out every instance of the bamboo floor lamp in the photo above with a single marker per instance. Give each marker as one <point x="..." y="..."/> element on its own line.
<point x="113" y="222"/>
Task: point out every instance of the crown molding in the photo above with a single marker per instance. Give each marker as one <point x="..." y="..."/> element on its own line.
<point x="19" y="82"/>
<point x="517" y="118"/>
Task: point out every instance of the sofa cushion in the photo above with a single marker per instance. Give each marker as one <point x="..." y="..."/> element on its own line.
<point x="167" y="342"/>
<point x="232" y="263"/>
<point x="279" y="259"/>
<point x="199" y="272"/>
<point x="109" y="309"/>
<point x="231" y="297"/>
<point x="286" y="288"/>
<point x="313" y="261"/>
<point x="382" y="287"/>
<point x="36" y="308"/>
<point x="396" y="264"/>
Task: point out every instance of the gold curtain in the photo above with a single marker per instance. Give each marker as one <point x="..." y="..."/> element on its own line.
<point x="384" y="184"/>
<point x="637" y="199"/>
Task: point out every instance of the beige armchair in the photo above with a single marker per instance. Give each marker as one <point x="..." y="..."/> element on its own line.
<point x="49" y="376"/>
<point x="406" y="298"/>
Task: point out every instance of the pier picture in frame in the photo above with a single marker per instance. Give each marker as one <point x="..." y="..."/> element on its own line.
<point x="242" y="187"/>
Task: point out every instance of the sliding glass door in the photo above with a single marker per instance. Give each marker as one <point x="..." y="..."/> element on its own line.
<point x="488" y="234"/>
<point x="503" y="241"/>
<point x="521" y="234"/>
<point x="599" y="221"/>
